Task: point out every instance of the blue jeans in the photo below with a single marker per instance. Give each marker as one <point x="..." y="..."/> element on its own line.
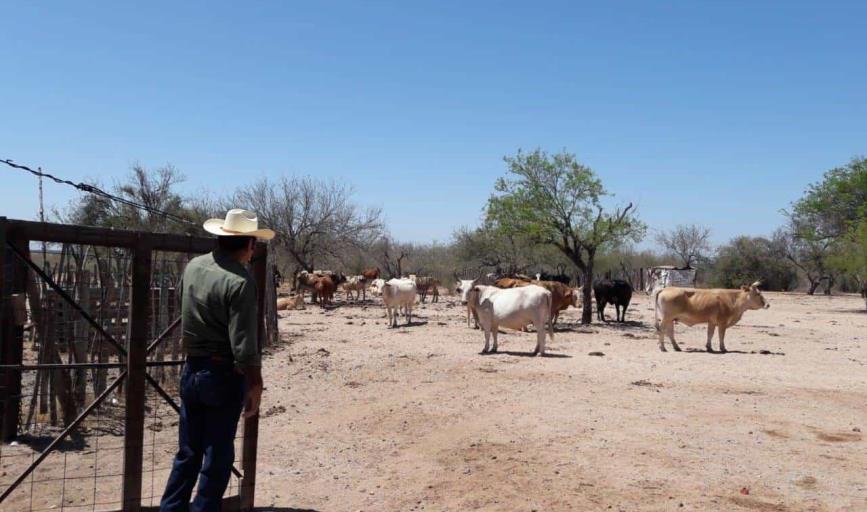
<point x="212" y="395"/>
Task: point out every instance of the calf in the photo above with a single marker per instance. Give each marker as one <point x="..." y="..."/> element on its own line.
<point x="613" y="291"/>
<point x="357" y="284"/>
<point x="397" y="295"/>
<point x="513" y="308"/>
<point x="294" y="302"/>
<point x="716" y="308"/>
<point x="425" y="285"/>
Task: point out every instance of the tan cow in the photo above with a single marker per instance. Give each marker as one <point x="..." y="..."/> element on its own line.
<point x="716" y="308"/>
<point x="294" y="302"/>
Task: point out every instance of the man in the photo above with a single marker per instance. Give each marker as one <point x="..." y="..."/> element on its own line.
<point x="223" y="369"/>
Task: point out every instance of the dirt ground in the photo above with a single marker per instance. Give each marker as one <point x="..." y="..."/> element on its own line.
<point x="357" y="416"/>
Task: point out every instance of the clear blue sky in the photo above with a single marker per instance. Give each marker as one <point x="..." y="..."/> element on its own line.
<point x="717" y="113"/>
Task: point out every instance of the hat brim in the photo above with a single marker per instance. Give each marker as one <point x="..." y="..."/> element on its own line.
<point x="215" y="227"/>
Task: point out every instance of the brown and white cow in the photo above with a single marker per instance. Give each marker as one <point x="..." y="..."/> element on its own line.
<point x="357" y="284"/>
<point x="716" y="308"/>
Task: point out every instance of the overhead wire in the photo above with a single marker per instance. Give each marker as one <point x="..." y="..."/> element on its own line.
<point x="93" y="189"/>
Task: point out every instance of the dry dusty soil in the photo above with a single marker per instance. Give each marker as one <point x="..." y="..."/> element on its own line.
<point x="357" y="416"/>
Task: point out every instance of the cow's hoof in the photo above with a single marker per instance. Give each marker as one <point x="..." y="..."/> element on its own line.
<point x="676" y="348"/>
<point x="662" y="348"/>
<point x="723" y="351"/>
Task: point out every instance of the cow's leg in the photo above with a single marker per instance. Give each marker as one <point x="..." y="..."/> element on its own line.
<point x="487" y="339"/>
<point x="616" y="312"/>
<point x="710" y="329"/>
<point x="623" y="313"/>
<point x="660" y="329"/>
<point x="408" y="315"/>
<point x="674" y="344"/>
<point x="722" y="338"/>
<point x="540" y="338"/>
<point x="495" y="329"/>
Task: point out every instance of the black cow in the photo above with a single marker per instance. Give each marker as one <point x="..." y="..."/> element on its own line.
<point x="560" y="278"/>
<point x="612" y="291"/>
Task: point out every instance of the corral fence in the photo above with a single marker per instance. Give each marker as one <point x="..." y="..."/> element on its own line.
<point x="90" y="360"/>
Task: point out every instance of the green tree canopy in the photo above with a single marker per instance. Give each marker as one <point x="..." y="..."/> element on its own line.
<point x="556" y="200"/>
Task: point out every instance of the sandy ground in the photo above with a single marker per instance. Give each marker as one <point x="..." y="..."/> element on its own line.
<point x="357" y="416"/>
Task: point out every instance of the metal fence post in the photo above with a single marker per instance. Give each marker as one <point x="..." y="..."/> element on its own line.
<point x="137" y="336"/>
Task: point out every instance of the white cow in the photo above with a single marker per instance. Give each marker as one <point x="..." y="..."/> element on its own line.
<point x="512" y="308"/>
<point x="462" y="288"/>
<point x="397" y="295"/>
<point x="376" y="286"/>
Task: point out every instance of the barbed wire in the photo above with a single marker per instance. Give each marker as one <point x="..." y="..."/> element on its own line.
<point x="92" y="189"/>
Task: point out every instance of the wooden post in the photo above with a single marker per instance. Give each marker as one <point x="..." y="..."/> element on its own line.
<point x="139" y="312"/>
<point x="251" y="425"/>
<point x="12" y="333"/>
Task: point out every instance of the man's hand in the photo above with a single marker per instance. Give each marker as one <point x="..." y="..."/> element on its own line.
<point x="252" y="400"/>
<point x="253" y="376"/>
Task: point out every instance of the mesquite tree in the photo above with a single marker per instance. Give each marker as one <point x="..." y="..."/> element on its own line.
<point x="554" y="199"/>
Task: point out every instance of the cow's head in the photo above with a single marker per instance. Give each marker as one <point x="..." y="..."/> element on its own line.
<point x="463" y="287"/>
<point x="575" y="296"/>
<point x="755" y="299"/>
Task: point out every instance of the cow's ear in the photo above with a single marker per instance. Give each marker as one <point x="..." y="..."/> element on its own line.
<point x="745" y="288"/>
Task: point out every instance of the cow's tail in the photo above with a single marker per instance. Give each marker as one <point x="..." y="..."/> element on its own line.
<point x="656" y="307"/>
<point x="550" y="300"/>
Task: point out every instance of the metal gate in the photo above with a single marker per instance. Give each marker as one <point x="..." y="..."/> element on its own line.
<point x="88" y="413"/>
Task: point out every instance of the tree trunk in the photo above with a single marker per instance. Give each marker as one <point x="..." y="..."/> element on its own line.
<point x="587" y="311"/>
<point x="829" y="283"/>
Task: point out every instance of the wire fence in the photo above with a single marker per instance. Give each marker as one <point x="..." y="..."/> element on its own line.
<point x="69" y="320"/>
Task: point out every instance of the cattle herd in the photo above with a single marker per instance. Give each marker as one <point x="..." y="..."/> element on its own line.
<point x="518" y="301"/>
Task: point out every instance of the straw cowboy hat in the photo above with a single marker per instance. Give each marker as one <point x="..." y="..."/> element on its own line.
<point x="238" y="222"/>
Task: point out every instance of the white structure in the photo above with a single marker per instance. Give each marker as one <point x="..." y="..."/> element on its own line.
<point x="661" y="277"/>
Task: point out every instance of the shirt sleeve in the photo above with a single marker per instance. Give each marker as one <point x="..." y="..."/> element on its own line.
<point x="244" y="325"/>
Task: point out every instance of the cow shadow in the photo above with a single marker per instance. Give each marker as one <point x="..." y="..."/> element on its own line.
<point x="848" y="311"/>
<point x="718" y="353"/>
<point x="412" y="324"/>
<point x="622" y="326"/>
<point x="526" y="354"/>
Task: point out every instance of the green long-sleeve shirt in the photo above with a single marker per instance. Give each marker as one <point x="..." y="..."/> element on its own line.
<point x="218" y="309"/>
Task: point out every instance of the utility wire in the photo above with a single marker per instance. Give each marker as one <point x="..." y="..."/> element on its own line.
<point x="91" y="189"/>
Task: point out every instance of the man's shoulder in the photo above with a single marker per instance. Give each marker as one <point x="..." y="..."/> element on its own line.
<point x="228" y="269"/>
